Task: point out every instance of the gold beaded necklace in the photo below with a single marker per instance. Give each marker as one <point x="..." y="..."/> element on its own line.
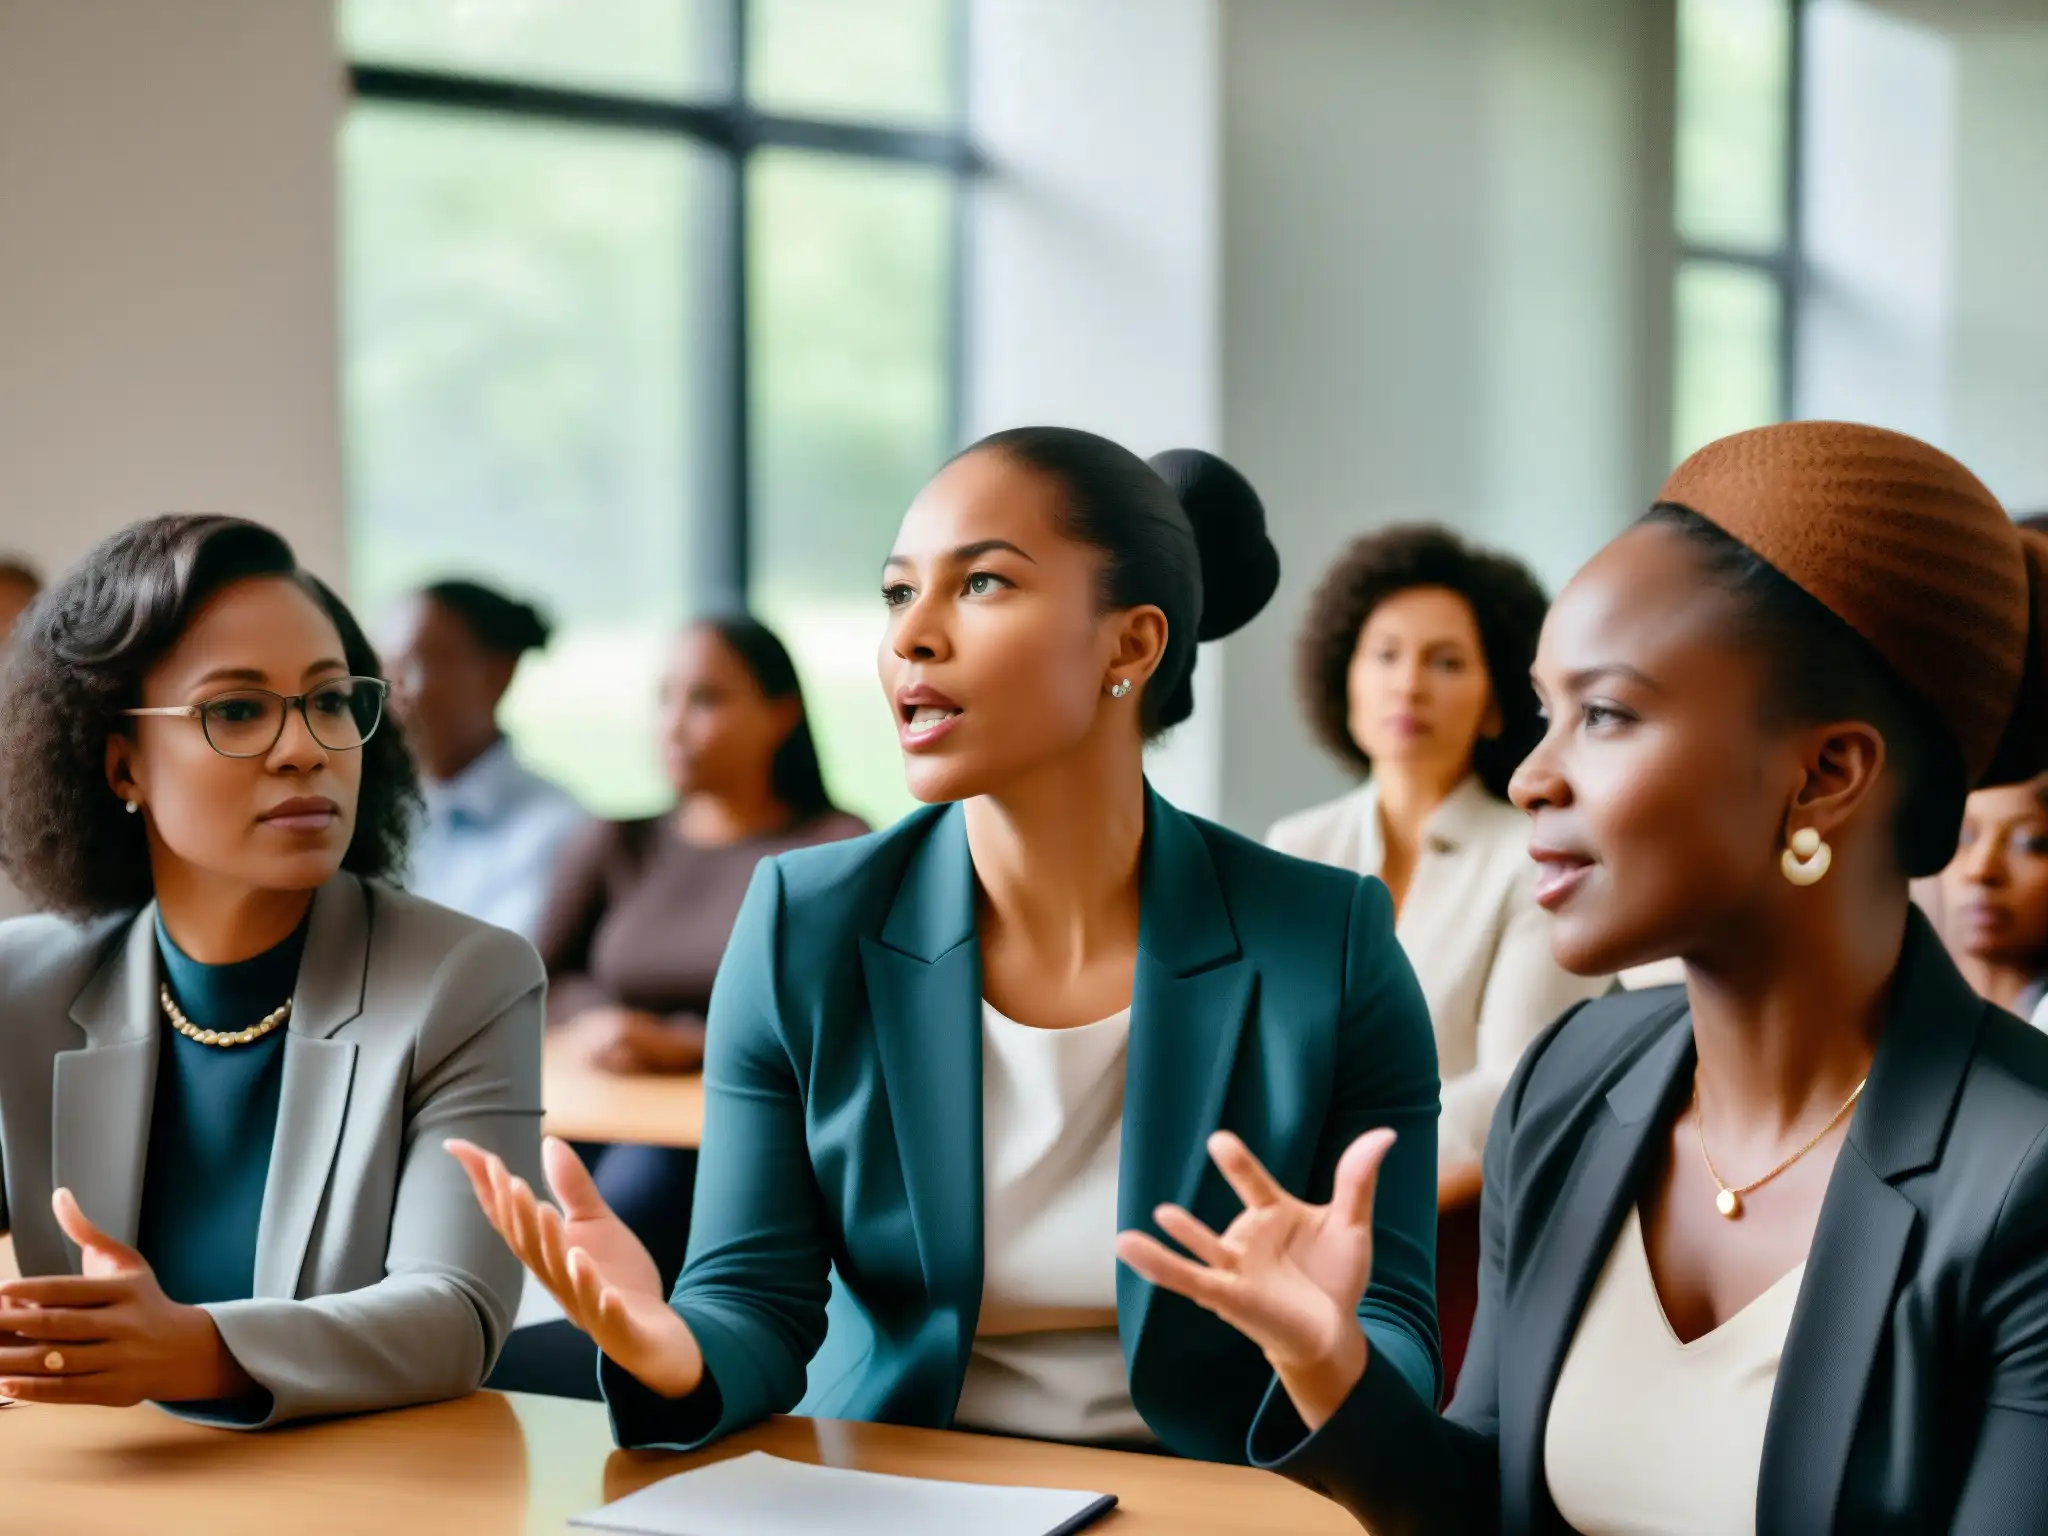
<point x="249" y="1036"/>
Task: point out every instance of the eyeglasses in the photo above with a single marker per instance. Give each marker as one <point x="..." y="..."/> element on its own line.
<point x="248" y="722"/>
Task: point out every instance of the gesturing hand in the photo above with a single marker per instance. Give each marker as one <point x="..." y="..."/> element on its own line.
<point x="1286" y="1274"/>
<point x="591" y="1263"/>
<point x="109" y="1335"/>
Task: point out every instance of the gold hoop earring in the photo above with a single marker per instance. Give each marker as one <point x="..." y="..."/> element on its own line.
<point x="1806" y="861"/>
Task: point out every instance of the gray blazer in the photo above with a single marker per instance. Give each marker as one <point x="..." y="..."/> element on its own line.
<point x="378" y="1282"/>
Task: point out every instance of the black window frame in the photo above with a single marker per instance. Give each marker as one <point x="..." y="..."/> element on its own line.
<point x="722" y="569"/>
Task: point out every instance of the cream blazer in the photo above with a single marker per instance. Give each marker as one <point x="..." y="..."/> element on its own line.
<point x="378" y="1281"/>
<point x="1470" y="924"/>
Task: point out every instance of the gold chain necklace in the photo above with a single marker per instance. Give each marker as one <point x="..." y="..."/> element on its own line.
<point x="249" y="1036"/>
<point x="1729" y="1201"/>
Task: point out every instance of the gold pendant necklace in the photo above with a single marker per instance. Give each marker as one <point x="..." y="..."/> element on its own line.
<point x="249" y="1036"/>
<point x="1729" y="1201"/>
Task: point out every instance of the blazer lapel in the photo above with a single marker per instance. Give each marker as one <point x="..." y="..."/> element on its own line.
<point x="923" y="980"/>
<point x="1866" y="1227"/>
<point x="1845" y="1299"/>
<point x="1567" y="1252"/>
<point x="313" y="1099"/>
<point x="103" y="1094"/>
<point x="1192" y="991"/>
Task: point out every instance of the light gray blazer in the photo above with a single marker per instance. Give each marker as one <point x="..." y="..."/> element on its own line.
<point x="378" y="1282"/>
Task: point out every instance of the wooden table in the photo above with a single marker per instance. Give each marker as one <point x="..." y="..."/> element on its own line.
<point x="584" y="1104"/>
<point x="492" y="1465"/>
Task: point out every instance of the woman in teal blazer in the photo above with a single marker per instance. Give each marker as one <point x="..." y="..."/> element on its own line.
<point x="857" y="1226"/>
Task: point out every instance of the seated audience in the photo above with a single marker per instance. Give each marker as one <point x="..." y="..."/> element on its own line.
<point x="494" y="828"/>
<point x="1414" y="666"/>
<point x="640" y="911"/>
<point x="1769" y="1254"/>
<point x="945" y="1062"/>
<point x="1994" y="898"/>
<point x="19" y="585"/>
<point x="228" y="1066"/>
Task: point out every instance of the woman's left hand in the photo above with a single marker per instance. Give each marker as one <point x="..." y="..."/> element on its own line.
<point x="109" y="1335"/>
<point x="1286" y="1274"/>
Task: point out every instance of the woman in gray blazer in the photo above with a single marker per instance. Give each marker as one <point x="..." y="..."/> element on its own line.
<point x="230" y="1059"/>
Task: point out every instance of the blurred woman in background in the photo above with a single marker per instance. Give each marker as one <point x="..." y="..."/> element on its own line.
<point x="494" y="828"/>
<point x="1994" y="898"/>
<point x="1413" y="668"/>
<point x="230" y="1058"/>
<point x="637" y="918"/>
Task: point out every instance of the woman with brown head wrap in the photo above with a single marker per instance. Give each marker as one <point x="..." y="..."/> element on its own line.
<point x="1768" y="1253"/>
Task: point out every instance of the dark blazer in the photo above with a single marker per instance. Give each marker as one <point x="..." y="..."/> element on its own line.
<point x="1913" y="1390"/>
<point x="838" y="1218"/>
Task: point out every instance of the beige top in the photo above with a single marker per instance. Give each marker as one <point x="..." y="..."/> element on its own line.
<point x="1471" y="928"/>
<point x="1652" y="1437"/>
<point x="1047" y="1362"/>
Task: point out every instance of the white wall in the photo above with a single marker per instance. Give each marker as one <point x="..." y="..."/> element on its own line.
<point x="1446" y="297"/>
<point x="1927" y="220"/>
<point x="167" y="259"/>
<point x="1878" y="219"/>
<point x="1095" y="298"/>
<point x="1998" y="356"/>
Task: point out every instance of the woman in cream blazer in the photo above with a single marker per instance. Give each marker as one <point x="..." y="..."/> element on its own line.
<point x="232" y="1056"/>
<point x="1399" y="662"/>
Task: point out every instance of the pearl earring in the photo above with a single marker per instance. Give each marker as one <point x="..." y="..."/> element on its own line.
<point x="134" y="806"/>
<point x="1120" y="687"/>
<point x="1807" y="860"/>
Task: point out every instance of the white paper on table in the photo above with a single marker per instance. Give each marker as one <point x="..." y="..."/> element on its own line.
<point x="762" y="1495"/>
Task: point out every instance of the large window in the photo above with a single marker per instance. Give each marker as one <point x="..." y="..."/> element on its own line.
<point x="1737" y="197"/>
<point x="651" y="307"/>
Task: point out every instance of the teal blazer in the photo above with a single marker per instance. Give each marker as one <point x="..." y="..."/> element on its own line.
<point x="835" y="1258"/>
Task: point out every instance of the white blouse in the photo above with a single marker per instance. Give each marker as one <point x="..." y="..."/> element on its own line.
<point x="1652" y="1437"/>
<point x="1046" y="1361"/>
<point x="1472" y="930"/>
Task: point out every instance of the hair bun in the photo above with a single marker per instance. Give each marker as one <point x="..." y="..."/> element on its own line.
<point x="2023" y="750"/>
<point x="1240" y="566"/>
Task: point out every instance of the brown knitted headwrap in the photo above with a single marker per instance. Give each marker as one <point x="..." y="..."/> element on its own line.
<point x="1910" y="550"/>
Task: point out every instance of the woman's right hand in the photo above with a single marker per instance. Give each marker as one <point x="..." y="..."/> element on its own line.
<point x="590" y="1262"/>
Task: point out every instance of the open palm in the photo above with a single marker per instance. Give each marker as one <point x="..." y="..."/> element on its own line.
<point x="590" y="1262"/>
<point x="1286" y="1274"/>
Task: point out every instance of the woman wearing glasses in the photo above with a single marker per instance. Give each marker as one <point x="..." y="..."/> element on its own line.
<point x="230" y="1062"/>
